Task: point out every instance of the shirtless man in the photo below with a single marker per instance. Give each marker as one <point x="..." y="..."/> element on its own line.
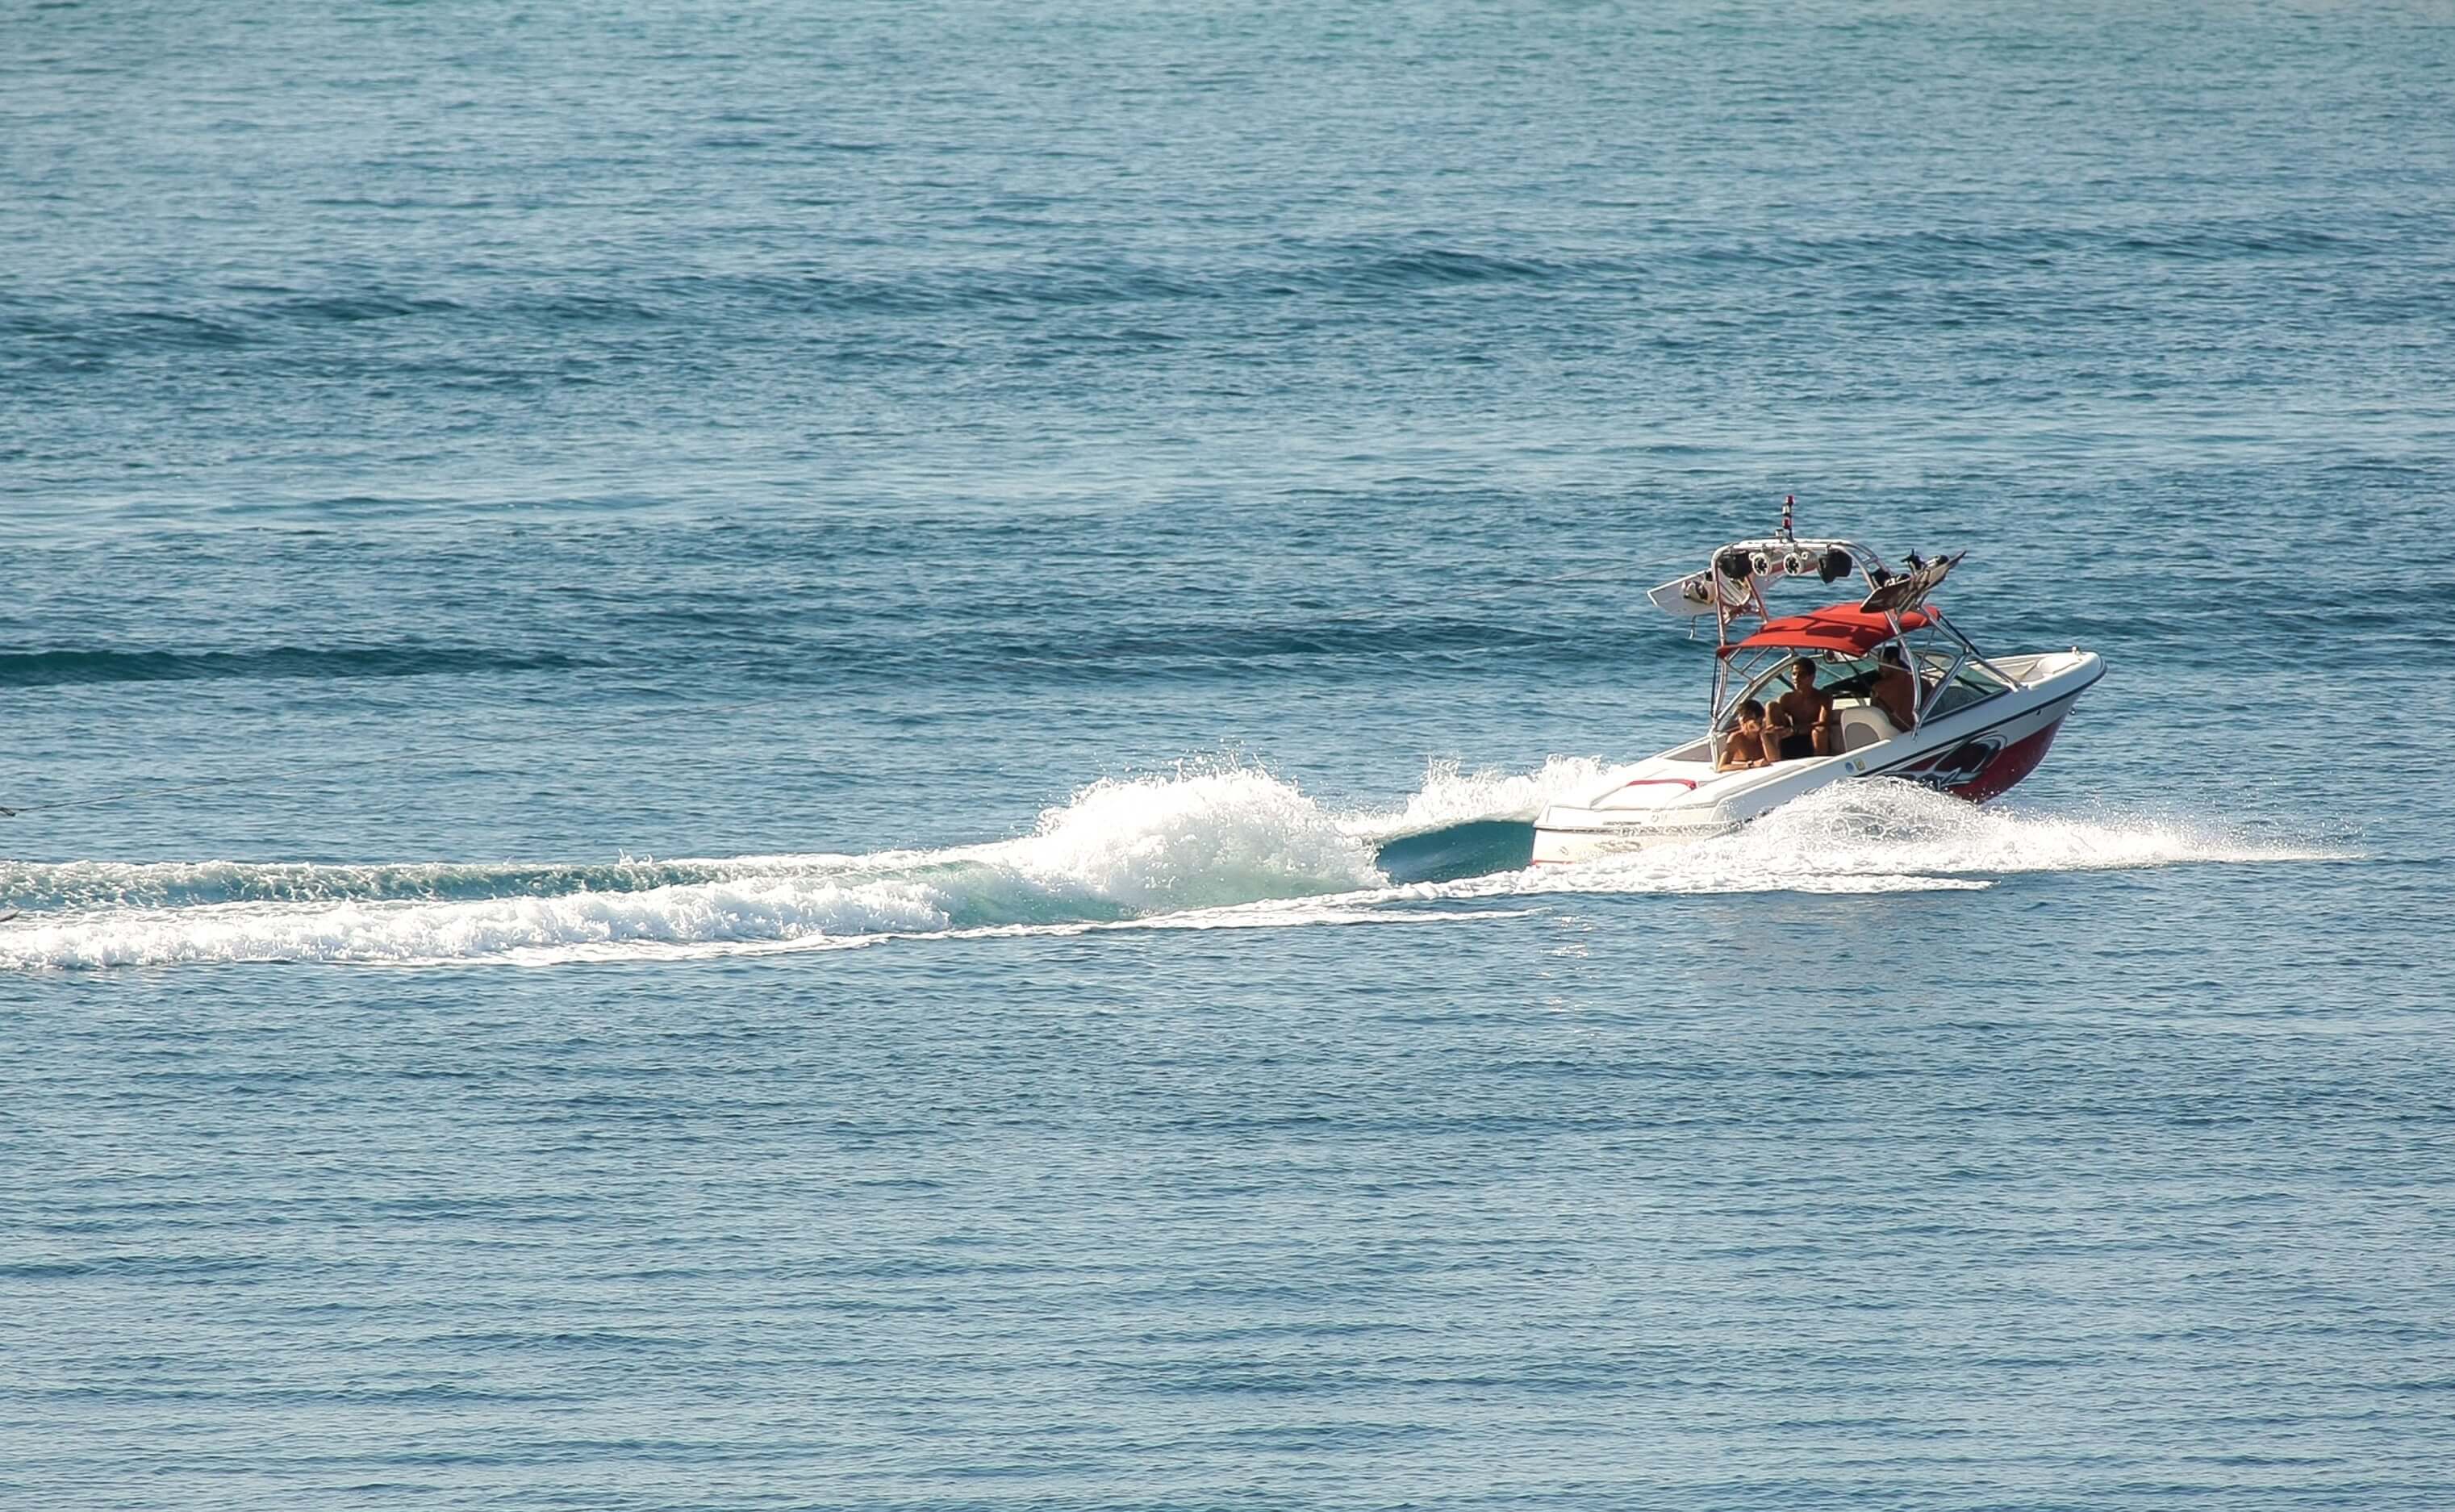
<point x="1744" y="746"/>
<point x="1896" y="691"/>
<point x="1803" y="720"/>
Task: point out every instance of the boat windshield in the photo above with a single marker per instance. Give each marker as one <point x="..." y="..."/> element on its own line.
<point x="1970" y="684"/>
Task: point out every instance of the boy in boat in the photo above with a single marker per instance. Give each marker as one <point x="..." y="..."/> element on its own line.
<point x="1744" y="746"/>
<point x="1896" y="691"/>
<point x="1802" y="721"/>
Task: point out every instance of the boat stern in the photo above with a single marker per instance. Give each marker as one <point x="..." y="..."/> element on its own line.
<point x="1564" y="836"/>
<point x="1653" y="804"/>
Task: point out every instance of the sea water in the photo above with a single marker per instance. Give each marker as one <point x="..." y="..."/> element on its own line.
<point x="781" y="758"/>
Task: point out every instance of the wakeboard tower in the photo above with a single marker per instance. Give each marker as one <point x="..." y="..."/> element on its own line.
<point x="1977" y="724"/>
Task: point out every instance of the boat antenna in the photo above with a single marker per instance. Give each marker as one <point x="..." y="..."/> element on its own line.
<point x="1789" y="502"/>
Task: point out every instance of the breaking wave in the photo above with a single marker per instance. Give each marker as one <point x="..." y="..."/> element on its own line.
<point x="1206" y="847"/>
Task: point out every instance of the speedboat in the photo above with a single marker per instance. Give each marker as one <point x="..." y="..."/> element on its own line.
<point x="1977" y="724"/>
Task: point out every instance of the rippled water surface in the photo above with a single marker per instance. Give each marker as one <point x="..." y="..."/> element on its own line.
<point x="781" y="759"/>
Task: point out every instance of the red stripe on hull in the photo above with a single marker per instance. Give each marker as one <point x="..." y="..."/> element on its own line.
<point x="2009" y="764"/>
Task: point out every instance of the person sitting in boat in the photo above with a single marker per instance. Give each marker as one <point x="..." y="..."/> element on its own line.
<point x="1896" y="688"/>
<point x="1803" y="721"/>
<point x="1744" y="746"/>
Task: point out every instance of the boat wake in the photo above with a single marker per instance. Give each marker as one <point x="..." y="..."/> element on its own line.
<point x="1203" y="847"/>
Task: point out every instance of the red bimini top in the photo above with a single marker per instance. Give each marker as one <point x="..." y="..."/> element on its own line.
<point x="1843" y="627"/>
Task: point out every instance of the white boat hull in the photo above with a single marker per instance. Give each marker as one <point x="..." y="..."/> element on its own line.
<point x="1975" y="752"/>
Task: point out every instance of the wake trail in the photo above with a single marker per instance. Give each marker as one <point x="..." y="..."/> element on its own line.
<point x="1204" y="847"/>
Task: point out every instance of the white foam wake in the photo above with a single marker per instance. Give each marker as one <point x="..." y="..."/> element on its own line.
<point x="1199" y="838"/>
<point x="1449" y="796"/>
<point x="1892" y="836"/>
<point x="1146" y="848"/>
<point x="1202" y="848"/>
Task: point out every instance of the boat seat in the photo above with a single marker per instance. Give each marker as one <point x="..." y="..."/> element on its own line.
<point x="1864" y="724"/>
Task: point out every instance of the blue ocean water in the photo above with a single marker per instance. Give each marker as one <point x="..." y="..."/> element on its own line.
<point x="777" y="758"/>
